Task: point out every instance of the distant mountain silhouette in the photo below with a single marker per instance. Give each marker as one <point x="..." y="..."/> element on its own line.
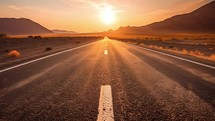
<point x="20" y="26"/>
<point x="201" y="20"/>
<point x="64" y="31"/>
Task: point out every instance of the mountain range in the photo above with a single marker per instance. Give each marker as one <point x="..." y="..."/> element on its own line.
<point x="18" y="26"/>
<point x="201" y="20"/>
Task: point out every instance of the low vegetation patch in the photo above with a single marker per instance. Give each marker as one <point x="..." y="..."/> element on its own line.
<point x="14" y="53"/>
<point x="6" y="51"/>
<point x="30" y="36"/>
<point x="3" y="35"/>
<point x="34" y="37"/>
<point x="212" y="57"/>
<point x="48" y="49"/>
<point x="185" y="52"/>
<point x="195" y="45"/>
<point x="37" y="37"/>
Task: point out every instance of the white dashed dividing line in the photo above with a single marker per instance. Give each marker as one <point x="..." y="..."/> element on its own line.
<point x="105" y="104"/>
<point x="106" y="52"/>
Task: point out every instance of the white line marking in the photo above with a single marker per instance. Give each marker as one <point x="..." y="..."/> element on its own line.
<point x="105" y="104"/>
<point x="42" y="58"/>
<point x="180" y="58"/>
<point x="106" y="52"/>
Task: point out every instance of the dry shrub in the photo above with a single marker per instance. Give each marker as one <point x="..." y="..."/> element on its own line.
<point x="30" y="36"/>
<point x="184" y="51"/>
<point x="170" y="46"/>
<point x="6" y="51"/>
<point x="14" y="53"/>
<point x="3" y="35"/>
<point x="37" y="37"/>
<point x="212" y="57"/>
<point x="197" y="53"/>
<point x="48" y="49"/>
<point x="151" y="46"/>
<point x="161" y="47"/>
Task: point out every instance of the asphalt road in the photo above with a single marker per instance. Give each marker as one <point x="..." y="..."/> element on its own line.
<point x="145" y="86"/>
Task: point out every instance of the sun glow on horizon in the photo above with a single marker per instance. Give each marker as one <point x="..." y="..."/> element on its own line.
<point x="86" y="16"/>
<point x="108" y="15"/>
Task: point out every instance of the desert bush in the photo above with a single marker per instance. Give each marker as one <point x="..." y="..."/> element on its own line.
<point x="3" y="35"/>
<point x="6" y="51"/>
<point x="37" y="37"/>
<point x="196" y="53"/>
<point x="48" y="49"/>
<point x="161" y="47"/>
<point x="212" y="57"/>
<point x="184" y="51"/>
<point x="170" y="46"/>
<point x="14" y="53"/>
<point x="151" y="46"/>
<point x="30" y="36"/>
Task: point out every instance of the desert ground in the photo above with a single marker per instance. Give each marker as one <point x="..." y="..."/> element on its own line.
<point x="191" y="45"/>
<point x="19" y="48"/>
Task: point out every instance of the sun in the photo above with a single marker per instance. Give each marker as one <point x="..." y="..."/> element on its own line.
<point x="107" y="15"/>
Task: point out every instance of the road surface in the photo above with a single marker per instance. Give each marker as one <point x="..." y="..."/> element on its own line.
<point x="107" y="79"/>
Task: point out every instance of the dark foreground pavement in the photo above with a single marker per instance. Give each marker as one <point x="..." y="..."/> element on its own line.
<point x="145" y="86"/>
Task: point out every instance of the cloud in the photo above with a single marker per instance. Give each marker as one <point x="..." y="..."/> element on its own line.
<point x="97" y="4"/>
<point x="21" y="8"/>
<point x="14" y="7"/>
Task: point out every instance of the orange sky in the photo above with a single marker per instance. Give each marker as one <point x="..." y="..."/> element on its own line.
<point x="85" y="15"/>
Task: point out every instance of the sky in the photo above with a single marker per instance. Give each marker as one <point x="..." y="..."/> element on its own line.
<point x="96" y="15"/>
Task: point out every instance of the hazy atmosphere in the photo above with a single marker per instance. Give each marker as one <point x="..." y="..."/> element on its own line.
<point x="107" y="60"/>
<point x="87" y="15"/>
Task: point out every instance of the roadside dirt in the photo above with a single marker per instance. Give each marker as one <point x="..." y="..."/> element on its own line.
<point x="33" y="47"/>
<point x="204" y="49"/>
